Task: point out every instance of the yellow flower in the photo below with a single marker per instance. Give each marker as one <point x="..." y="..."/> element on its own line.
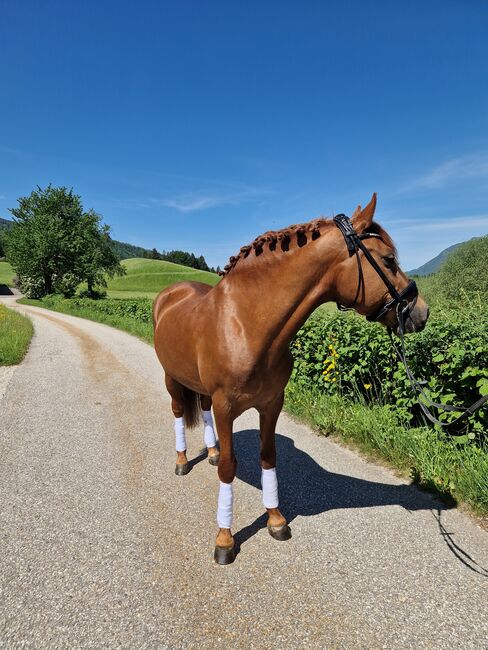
<point x="367" y="386"/>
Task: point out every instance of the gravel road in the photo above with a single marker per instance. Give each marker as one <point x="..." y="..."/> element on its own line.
<point x="102" y="546"/>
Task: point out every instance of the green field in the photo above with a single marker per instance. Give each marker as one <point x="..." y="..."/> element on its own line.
<point x="6" y="274"/>
<point x="146" y="278"/>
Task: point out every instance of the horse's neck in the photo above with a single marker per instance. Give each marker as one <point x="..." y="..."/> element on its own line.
<point x="276" y="296"/>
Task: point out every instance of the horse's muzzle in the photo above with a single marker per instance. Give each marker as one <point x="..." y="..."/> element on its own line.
<point x="417" y="318"/>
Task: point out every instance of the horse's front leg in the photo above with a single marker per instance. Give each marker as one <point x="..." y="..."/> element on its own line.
<point x="227" y="465"/>
<point x="268" y="416"/>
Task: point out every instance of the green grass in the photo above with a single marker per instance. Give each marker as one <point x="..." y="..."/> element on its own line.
<point x="455" y="471"/>
<point x="6" y="274"/>
<point x="146" y="278"/>
<point x="15" y="334"/>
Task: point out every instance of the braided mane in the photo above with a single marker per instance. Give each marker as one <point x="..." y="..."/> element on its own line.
<point x="282" y="237"/>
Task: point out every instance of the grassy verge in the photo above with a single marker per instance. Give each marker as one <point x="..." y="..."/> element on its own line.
<point x="132" y="325"/>
<point x="15" y="335"/>
<point x="432" y="460"/>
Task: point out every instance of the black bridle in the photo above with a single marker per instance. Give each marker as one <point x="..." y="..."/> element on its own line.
<point x="403" y="303"/>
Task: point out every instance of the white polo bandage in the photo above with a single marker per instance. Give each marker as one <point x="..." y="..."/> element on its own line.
<point x="209" y="433"/>
<point x="180" y="434"/>
<point x="225" y="506"/>
<point x="270" y="487"/>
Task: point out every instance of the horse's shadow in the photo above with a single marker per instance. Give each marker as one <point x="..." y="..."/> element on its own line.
<point x="308" y="489"/>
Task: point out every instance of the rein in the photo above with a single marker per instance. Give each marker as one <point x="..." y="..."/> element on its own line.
<point x="400" y="302"/>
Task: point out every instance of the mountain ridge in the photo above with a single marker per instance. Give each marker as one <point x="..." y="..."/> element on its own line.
<point x="433" y="265"/>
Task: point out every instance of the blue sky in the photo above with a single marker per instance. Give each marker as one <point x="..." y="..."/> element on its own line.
<point x="199" y="125"/>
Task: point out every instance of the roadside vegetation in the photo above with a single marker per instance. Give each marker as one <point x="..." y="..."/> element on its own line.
<point x="15" y="335"/>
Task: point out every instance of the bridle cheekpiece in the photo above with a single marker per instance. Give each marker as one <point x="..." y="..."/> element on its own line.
<point x="402" y="301"/>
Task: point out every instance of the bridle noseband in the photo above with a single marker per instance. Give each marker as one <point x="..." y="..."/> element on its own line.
<point x="402" y="301"/>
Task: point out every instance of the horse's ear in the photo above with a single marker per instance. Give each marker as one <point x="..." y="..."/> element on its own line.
<point x="362" y="218"/>
<point x="356" y="213"/>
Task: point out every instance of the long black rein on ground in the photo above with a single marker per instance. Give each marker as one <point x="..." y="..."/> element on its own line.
<point x="400" y="302"/>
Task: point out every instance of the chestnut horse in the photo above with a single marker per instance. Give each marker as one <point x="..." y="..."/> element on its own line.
<point x="228" y="345"/>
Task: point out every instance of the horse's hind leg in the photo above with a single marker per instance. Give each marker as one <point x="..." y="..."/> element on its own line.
<point x="209" y="433"/>
<point x="175" y="391"/>
<point x="268" y="416"/>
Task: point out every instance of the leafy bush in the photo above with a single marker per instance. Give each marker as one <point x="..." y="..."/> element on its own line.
<point x="342" y="354"/>
<point x="30" y="287"/>
<point x="463" y="277"/>
<point x="139" y="309"/>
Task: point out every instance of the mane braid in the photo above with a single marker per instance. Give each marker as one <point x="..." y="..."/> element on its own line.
<point x="272" y="237"/>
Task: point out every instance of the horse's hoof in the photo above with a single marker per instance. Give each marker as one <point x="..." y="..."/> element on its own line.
<point x="214" y="460"/>
<point x="281" y="533"/>
<point x="224" y="554"/>
<point x="182" y="469"/>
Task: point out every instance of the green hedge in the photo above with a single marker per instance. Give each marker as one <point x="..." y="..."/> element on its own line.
<point x="342" y="354"/>
<point x="138" y="308"/>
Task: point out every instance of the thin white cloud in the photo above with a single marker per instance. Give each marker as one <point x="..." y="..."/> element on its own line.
<point x="457" y="223"/>
<point x="479" y="221"/>
<point x="188" y="204"/>
<point x="451" y="171"/>
<point x="196" y="201"/>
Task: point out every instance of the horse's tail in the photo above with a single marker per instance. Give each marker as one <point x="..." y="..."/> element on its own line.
<point x="191" y="407"/>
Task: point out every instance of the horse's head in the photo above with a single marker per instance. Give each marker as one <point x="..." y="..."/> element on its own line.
<point x="362" y="286"/>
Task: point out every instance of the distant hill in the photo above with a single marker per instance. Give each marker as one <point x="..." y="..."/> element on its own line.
<point x="5" y="224"/>
<point x="433" y="265"/>
<point x="146" y="278"/>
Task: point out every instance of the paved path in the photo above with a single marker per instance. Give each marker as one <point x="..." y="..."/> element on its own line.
<point x="102" y="546"/>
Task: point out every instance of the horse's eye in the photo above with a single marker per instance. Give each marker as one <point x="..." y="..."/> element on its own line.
<point x="389" y="261"/>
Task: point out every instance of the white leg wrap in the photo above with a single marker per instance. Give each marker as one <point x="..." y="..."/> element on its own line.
<point x="225" y="507"/>
<point x="270" y="488"/>
<point x="180" y="434"/>
<point x="209" y="434"/>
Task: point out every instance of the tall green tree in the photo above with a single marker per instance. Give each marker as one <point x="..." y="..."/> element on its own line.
<point x="54" y="245"/>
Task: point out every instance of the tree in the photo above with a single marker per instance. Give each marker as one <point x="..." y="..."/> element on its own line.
<point x="54" y="245"/>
